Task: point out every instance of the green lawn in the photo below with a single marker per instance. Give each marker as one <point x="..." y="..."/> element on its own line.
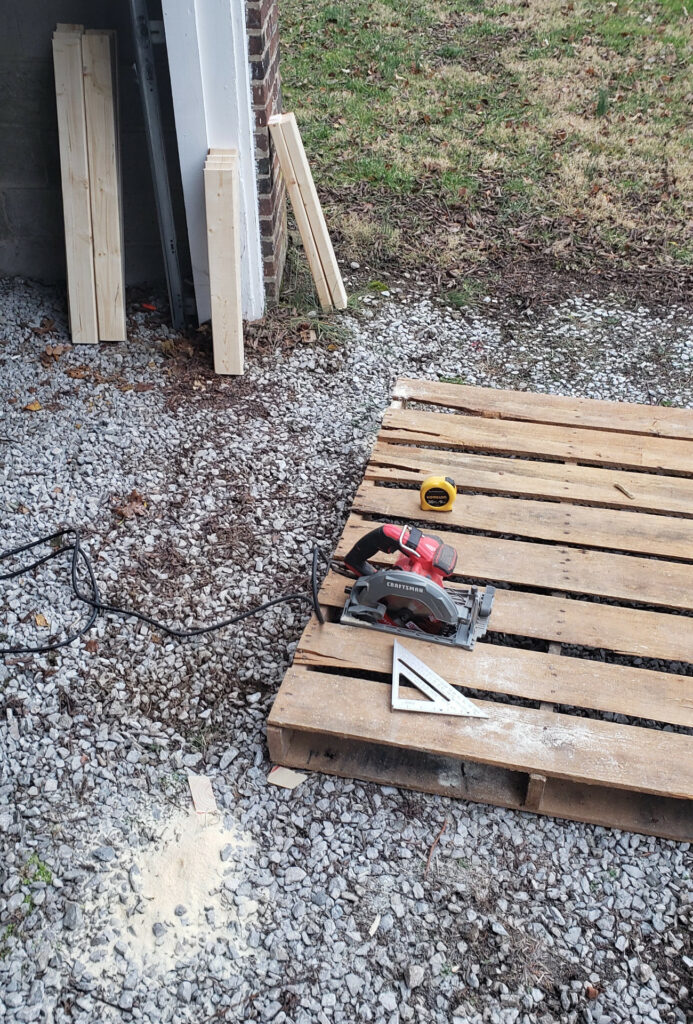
<point x="465" y="135"/>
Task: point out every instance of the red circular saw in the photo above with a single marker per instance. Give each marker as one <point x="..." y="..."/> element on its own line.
<point x="410" y="598"/>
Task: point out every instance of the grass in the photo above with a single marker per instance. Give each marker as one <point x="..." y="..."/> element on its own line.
<point x="456" y="135"/>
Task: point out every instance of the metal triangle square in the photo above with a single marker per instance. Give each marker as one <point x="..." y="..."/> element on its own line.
<point x="443" y="699"/>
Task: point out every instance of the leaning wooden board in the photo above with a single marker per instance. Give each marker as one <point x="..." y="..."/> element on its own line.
<point x="581" y="513"/>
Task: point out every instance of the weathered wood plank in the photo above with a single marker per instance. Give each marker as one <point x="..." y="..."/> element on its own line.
<point x="586" y="485"/>
<point x="566" y="524"/>
<point x="565" y="620"/>
<point x="316" y="218"/>
<point x="521" y="739"/>
<point x="554" y="567"/>
<point x="624" y="417"/>
<point x="598" y="447"/>
<point x="489" y="784"/>
<point x="640" y="693"/>
<point x="298" y="206"/>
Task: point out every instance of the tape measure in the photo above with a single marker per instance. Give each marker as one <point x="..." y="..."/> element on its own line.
<point x="438" y="493"/>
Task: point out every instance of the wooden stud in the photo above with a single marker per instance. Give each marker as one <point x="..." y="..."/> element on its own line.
<point x="221" y="183"/>
<point x="298" y="206"/>
<point x="74" y="172"/>
<point x="104" y="179"/>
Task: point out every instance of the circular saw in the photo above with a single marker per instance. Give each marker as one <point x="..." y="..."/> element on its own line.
<point x="410" y="598"/>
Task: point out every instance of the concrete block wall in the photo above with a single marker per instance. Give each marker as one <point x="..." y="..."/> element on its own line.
<point x="31" y="226"/>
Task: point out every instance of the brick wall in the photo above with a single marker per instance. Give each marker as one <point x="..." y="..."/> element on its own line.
<point x="263" y="43"/>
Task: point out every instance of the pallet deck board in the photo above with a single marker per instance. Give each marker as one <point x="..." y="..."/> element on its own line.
<point x="498" y="669"/>
<point x="526" y="478"/>
<point x="630" y="532"/>
<point x="581" y="512"/>
<point x="565" y="620"/>
<point x="654" y="420"/>
<point x="554" y="567"/>
<point x="593" y="447"/>
<point x="518" y="738"/>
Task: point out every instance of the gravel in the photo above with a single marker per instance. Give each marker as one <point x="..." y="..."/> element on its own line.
<point x="198" y="496"/>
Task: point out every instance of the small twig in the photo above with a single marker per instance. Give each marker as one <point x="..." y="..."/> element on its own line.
<point x="94" y="995"/>
<point x="433" y="846"/>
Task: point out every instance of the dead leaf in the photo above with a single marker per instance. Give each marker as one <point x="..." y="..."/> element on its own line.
<point x="42" y="621"/>
<point x="591" y="992"/>
<point x="134" y="505"/>
<point x="92" y="646"/>
<point x="141" y="386"/>
<point x="34" y="406"/>
<point x="77" y="372"/>
<point x="46" y="327"/>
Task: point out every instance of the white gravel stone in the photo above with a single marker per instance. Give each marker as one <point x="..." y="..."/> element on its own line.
<point x="226" y="485"/>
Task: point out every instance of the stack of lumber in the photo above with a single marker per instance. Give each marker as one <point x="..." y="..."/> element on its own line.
<point x="86" y="97"/>
<point x="222" y="204"/>
<point x="307" y="211"/>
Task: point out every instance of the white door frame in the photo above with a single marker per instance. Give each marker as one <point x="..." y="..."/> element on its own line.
<point x="212" y="101"/>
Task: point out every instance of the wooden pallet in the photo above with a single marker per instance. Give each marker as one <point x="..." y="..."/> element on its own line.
<point x="563" y="504"/>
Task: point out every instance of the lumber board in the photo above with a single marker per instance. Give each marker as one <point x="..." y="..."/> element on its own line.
<point x="522" y="477"/>
<point x="623" y="417"/>
<point x="298" y="206"/>
<point x="316" y="218"/>
<point x="74" y="174"/>
<point x="627" y="631"/>
<point x="222" y="208"/>
<point x="590" y="446"/>
<point x="646" y="581"/>
<point x="567" y="524"/>
<point x="521" y="739"/>
<point x="636" y="692"/>
<point x="428" y="773"/>
<point x="104" y="185"/>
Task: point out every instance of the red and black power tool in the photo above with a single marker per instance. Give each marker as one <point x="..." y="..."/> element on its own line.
<point x="410" y="598"/>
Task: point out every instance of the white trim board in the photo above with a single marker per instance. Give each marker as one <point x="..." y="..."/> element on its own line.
<point x="212" y="102"/>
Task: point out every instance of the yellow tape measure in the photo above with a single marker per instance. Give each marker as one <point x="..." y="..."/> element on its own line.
<point x="438" y="493"/>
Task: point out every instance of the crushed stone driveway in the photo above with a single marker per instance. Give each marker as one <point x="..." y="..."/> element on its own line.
<point x="198" y="496"/>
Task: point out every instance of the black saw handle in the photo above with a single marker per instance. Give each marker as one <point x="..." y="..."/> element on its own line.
<point x="373" y="542"/>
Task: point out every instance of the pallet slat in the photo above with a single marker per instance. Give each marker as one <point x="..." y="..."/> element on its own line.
<point x="642" y="693"/>
<point x="624" y="417"/>
<point x="554" y="567"/>
<point x="316" y="218"/>
<point x="74" y="173"/>
<point x="567" y="524"/>
<point x="298" y="206"/>
<point x="519" y="438"/>
<point x="586" y="485"/>
<point x="521" y="739"/>
<point x="563" y="620"/>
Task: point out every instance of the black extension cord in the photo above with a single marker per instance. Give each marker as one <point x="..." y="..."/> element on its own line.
<point x="97" y="606"/>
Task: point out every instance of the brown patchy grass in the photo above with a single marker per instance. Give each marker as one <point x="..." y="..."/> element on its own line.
<point x="467" y="136"/>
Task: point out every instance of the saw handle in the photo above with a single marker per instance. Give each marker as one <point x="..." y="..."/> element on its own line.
<point x="383" y="538"/>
